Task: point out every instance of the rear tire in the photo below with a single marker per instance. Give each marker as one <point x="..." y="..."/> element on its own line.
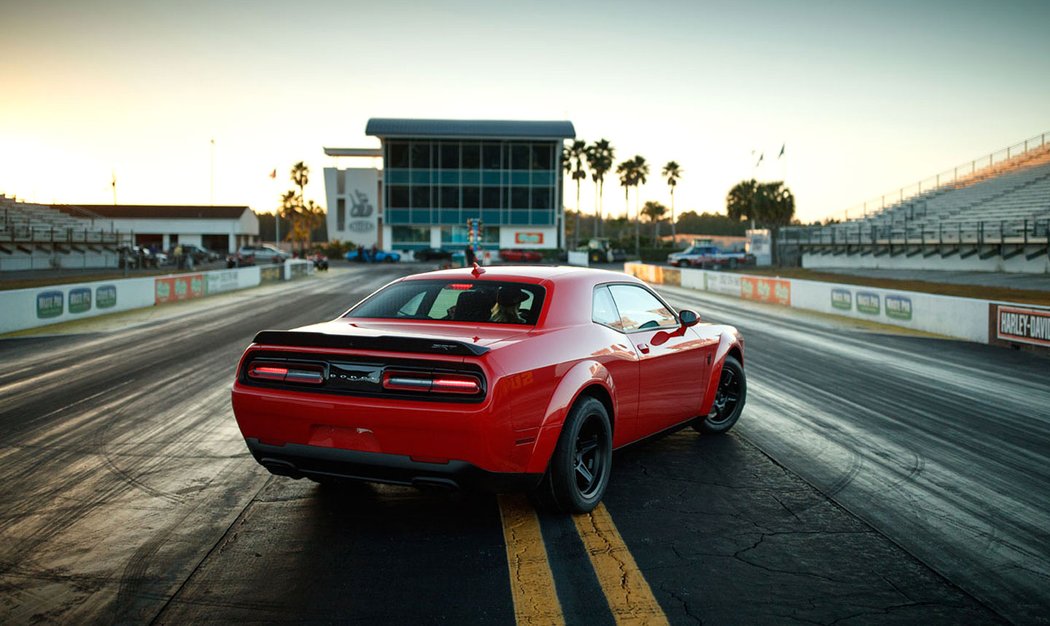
<point x="729" y="400"/>
<point x="579" y="469"/>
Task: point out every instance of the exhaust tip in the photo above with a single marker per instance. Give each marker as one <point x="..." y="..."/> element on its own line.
<point x="281" y="468"/>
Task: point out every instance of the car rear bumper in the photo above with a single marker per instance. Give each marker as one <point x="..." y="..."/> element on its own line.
<point x="299" y="461"/>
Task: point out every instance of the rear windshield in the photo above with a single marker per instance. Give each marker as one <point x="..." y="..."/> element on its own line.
<point x="455" y="301"/>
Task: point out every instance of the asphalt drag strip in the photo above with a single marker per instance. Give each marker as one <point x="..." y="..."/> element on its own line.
<point x="353" y="553"/>
<point x="710" y="527"/>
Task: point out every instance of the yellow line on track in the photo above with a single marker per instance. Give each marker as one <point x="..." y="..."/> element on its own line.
<point x="531" y="580"/>
<point x="630" y="598"/>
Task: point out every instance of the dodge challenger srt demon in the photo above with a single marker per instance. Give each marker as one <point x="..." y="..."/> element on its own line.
<point x="505" y="378"/>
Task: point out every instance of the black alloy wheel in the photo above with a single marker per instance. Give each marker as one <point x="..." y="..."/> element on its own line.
<point x="579" y="469"/>
<point x="729" y="399"/>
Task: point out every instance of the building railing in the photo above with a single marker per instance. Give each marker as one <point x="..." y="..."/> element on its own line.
<point x="959" y="175"/>
<point x="1023" y="231"/>
<point x="45" y="234"/>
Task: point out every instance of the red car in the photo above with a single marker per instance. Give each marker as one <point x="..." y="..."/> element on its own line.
<point x="520" y="256"/>
<point x="505" y="378"/>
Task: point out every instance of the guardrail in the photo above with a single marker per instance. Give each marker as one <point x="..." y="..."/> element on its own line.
<point x="56" y="234"/>
<point x="1022" y="231"/>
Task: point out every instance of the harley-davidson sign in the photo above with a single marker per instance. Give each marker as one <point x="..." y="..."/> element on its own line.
<point x="1023" y="325"/>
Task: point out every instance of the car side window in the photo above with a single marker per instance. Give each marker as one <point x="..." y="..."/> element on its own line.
<point x="411" y="308"/>
<point x="640" y="310"/>
<point x="603" y="309"/>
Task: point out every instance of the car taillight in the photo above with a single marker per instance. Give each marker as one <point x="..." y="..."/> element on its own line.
<point x="289" y="373"/>
<point x="431" y="382"/>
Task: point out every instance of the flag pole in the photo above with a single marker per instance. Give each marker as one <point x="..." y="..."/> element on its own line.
<point x="211" y="197"/>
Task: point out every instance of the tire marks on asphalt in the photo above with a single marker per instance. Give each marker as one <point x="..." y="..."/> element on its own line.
<point x="118" y="447"/>
<point x="942" y="445"/>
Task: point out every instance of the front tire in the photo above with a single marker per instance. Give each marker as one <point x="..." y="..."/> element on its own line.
<point x="579" y="469"/>
<point x="729" y="400"/>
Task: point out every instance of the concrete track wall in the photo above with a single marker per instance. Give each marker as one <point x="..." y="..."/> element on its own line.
<point x="963" y="318"/>
<point x="41" y="306"/>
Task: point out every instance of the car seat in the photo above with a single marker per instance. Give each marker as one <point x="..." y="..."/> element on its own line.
<point x="474" y="306"/>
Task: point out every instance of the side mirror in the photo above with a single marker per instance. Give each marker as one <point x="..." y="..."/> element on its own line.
<point x="686" y="317"/>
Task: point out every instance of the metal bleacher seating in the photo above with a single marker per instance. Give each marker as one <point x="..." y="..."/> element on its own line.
<point x="34" y="236"/>
<point x="1000" y="210"/>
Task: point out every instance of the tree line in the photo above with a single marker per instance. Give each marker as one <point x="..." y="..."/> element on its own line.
<point x="766" y="204"/>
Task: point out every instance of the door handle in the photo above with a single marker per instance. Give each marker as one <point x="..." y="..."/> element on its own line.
<point x="643" y="348"/>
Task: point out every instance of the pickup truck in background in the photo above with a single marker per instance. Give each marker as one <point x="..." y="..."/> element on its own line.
<point x="710" y="257"/>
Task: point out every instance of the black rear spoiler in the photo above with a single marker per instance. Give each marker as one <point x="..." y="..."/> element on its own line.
<point x="388" y="344"/>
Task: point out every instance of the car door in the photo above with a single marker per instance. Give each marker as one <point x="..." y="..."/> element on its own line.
<point x="621" y="360"/>
<point x="672" y="365"/>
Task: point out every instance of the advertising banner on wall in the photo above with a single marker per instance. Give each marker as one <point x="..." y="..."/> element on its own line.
<point x="218" y="282"/>
<point x="1023" y="325"/>
<point x="728" y="284"/>
<point x="772" y="290"/>
<point x="176" y="288"/>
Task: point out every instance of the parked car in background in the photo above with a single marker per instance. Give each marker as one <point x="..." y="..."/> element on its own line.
<point x="432" y="254"/>
<point x="511" y="255"/>
<point x="366" y="255"/>
<point x="256" y="255"/>
<point x="138" y="257"/>
<point x="710" y="257"/>
<point x="200" y="255"/>
<point x="502" y="378"/>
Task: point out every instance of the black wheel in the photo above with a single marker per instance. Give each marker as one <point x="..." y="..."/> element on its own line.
<point x="582" y="461"/>
<point x="729" y="400"/>
<point x="732" y="264"/>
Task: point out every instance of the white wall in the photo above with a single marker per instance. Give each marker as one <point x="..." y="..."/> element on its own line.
<point x="579" y="257"/>
<point x="42" y="306"/>
<point x="963" y="318"/>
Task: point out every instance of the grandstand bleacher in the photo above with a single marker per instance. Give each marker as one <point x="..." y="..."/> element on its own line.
<point x="995" y="217"/>
<point x="37" y="236"/>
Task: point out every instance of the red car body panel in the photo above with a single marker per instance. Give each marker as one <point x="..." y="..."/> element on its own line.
<point x="650" y="381"/>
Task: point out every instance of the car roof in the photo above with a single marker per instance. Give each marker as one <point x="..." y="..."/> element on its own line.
<point x="524" y="273"/>
<point x="569" y="288"/>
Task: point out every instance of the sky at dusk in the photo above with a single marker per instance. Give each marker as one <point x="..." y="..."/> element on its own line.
<point x="865" y="97"/>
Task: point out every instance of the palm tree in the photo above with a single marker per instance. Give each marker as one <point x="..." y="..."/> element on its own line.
<point x="740" y="202"/>
<point x="672" y="172"/>
<point x="572" y="160"/>
<point x="625" y="170"/>
<point x="300" y="176"/>
<point x="641" y="171"/>
<point x="304" y="216"/>
<point x="654" y="211"/>
<point x="289" y="202"/>
<point x="600" y="155"/>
